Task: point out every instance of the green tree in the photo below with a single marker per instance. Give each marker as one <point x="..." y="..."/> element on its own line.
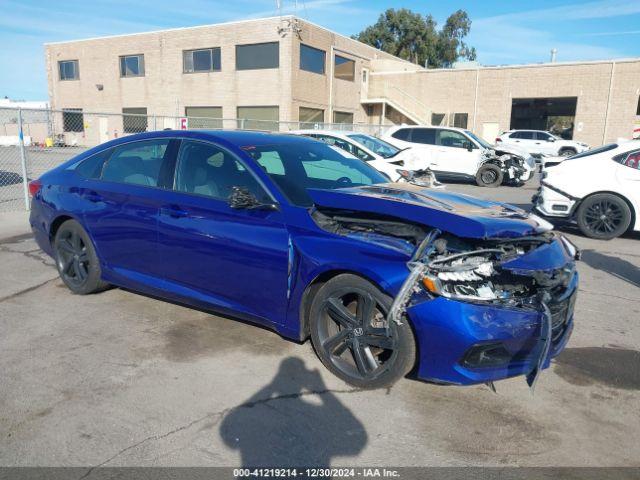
<point x="415" y="37"/>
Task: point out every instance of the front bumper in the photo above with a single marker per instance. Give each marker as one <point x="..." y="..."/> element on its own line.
<point x="453" y="336"/>
<point x="552" y="203"/>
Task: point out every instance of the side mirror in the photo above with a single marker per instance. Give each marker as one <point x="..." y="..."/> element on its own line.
<point x="468" y="146"/>
<point x="242" y="198"/>
<point x="551" y="139"/>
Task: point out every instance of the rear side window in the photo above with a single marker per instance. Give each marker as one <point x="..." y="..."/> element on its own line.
<point x="402" y="134"/>
<point x="92" y="167"/>
<point x="522" y="135"/>
<point x="137" y="163"/>
<point x="426" y="136"/>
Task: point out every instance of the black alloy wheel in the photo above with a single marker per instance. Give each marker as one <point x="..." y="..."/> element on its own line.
<point x="350" y="337"/>
<point x="76" y="259"/>
<point x="603" y="216"/>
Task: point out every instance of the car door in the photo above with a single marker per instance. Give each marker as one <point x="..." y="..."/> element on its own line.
<point x="236" y="259"/>
<point x="545" y="143"/>
<point x="457" y="155"/>
<point x="121" y="207"/>
<point x="525" y="139"/>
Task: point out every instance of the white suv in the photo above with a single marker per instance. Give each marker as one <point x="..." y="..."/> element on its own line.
<point x="458" y="154"/>
<point x="538" y="142"/>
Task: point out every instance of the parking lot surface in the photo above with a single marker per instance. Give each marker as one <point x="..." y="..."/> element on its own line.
<point x="121" y="379"/>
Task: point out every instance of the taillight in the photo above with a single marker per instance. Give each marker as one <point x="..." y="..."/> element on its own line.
<point x="34" y="187"/>
<point x="498" y="139"/>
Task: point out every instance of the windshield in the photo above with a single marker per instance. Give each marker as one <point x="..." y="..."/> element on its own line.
<point x="594" y="151"/>
<point x="377" y="146"/>
<point x="483" y="143"/>
<point x="297" y="167"/>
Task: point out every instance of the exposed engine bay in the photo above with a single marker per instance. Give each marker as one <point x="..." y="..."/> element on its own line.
<point x="468" y="270"/>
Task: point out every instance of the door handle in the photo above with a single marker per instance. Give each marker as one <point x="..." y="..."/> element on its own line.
<point x="173" y="211"/>
<point x="93" y="197"/>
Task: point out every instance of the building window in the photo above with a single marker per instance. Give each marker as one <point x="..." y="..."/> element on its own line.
<point x="437" y="118"/>
<point x="344" y="68"/>
<point x="312" y="59"/>
<point x="204" y="117"/>
<point x="132" y="66"/>
<point x="311" y="115"/>
<point x="259" y="118"/>
<point x="69" y="70"/>
<point x="460" y="120"/>
<point x="203" y="60"/>
<point x="342" y="117"/>
<point x="258" y="56"/>
<point x="134" y="120"/>
<point x="72" y="120"/>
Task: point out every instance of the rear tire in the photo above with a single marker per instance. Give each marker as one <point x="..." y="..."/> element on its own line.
<point x="348" y="335"/>
<point x="489" y="175"/>
<point x="76" y="259"/>
<point x="603" y="216"/>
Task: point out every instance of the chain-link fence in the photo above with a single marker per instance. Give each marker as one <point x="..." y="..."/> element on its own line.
<point x="34" y="141"/>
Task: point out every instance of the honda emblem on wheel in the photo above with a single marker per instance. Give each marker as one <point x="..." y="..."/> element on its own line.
<point x="358" y="331"/>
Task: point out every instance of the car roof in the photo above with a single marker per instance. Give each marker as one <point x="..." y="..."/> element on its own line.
<point x="237" y="138"/>
<point x="439" y="127"/>
<point x="337" y="133"/>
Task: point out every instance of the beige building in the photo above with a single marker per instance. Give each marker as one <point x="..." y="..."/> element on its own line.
<point x="289" y="70"/>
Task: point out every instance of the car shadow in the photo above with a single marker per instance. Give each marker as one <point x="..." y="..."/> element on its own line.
<point x="615" y="266"/>
<point x="294" y="421"/>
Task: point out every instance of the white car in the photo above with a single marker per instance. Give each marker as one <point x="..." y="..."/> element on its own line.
<point x="599" y="189"/>
<point x="458" y="154"/>
<point x="539" y="142"/>
<point x="379" y="154"/>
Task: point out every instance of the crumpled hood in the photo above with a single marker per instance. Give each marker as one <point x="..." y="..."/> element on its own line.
<point x="459" y="214"/>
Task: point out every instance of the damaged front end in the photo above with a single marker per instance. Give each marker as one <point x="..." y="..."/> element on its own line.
<point x="520" y="292"/>
<point x="515" y="168"/>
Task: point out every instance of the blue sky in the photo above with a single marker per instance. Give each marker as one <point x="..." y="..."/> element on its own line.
<point x="503" y="32"/>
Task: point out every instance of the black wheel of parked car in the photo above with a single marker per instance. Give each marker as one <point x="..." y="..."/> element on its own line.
<point x="603" y="216"/>
<point x="567" y="152"/>
<point x="347" y="330"/>
<point x="489" y="175"/>
<point x="76" y="259"/>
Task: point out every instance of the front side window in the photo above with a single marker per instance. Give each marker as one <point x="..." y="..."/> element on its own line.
<point x="312" y="59"/>
<point x="132" y="66"/>
<point x="342" y="117"/>
<point x="258" y="56"/>
<point x="206" y="169"/>
<point x="69" y="70"/>
<point x="136" y="163"/>
<point x="134" y="120"/>
<point x="544" y="136"/>
<point x="312" y="165"/>
<point x="344" y="68"/>
<point x="450" y="138"/>
<point x="202" y="60"/>
<point x="426" y="136"/>
<point x="72" y="120"/>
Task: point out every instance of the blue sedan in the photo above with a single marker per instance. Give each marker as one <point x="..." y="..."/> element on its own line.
<point x="300" y="237"/>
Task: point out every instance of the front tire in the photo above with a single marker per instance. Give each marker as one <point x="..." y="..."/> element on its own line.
<point x="348" y="334"/>
<point x="76" y="259"/>
<point x="603" y="216"/>
<point x="567" y="152"/>
<point x="489" y="175"/>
